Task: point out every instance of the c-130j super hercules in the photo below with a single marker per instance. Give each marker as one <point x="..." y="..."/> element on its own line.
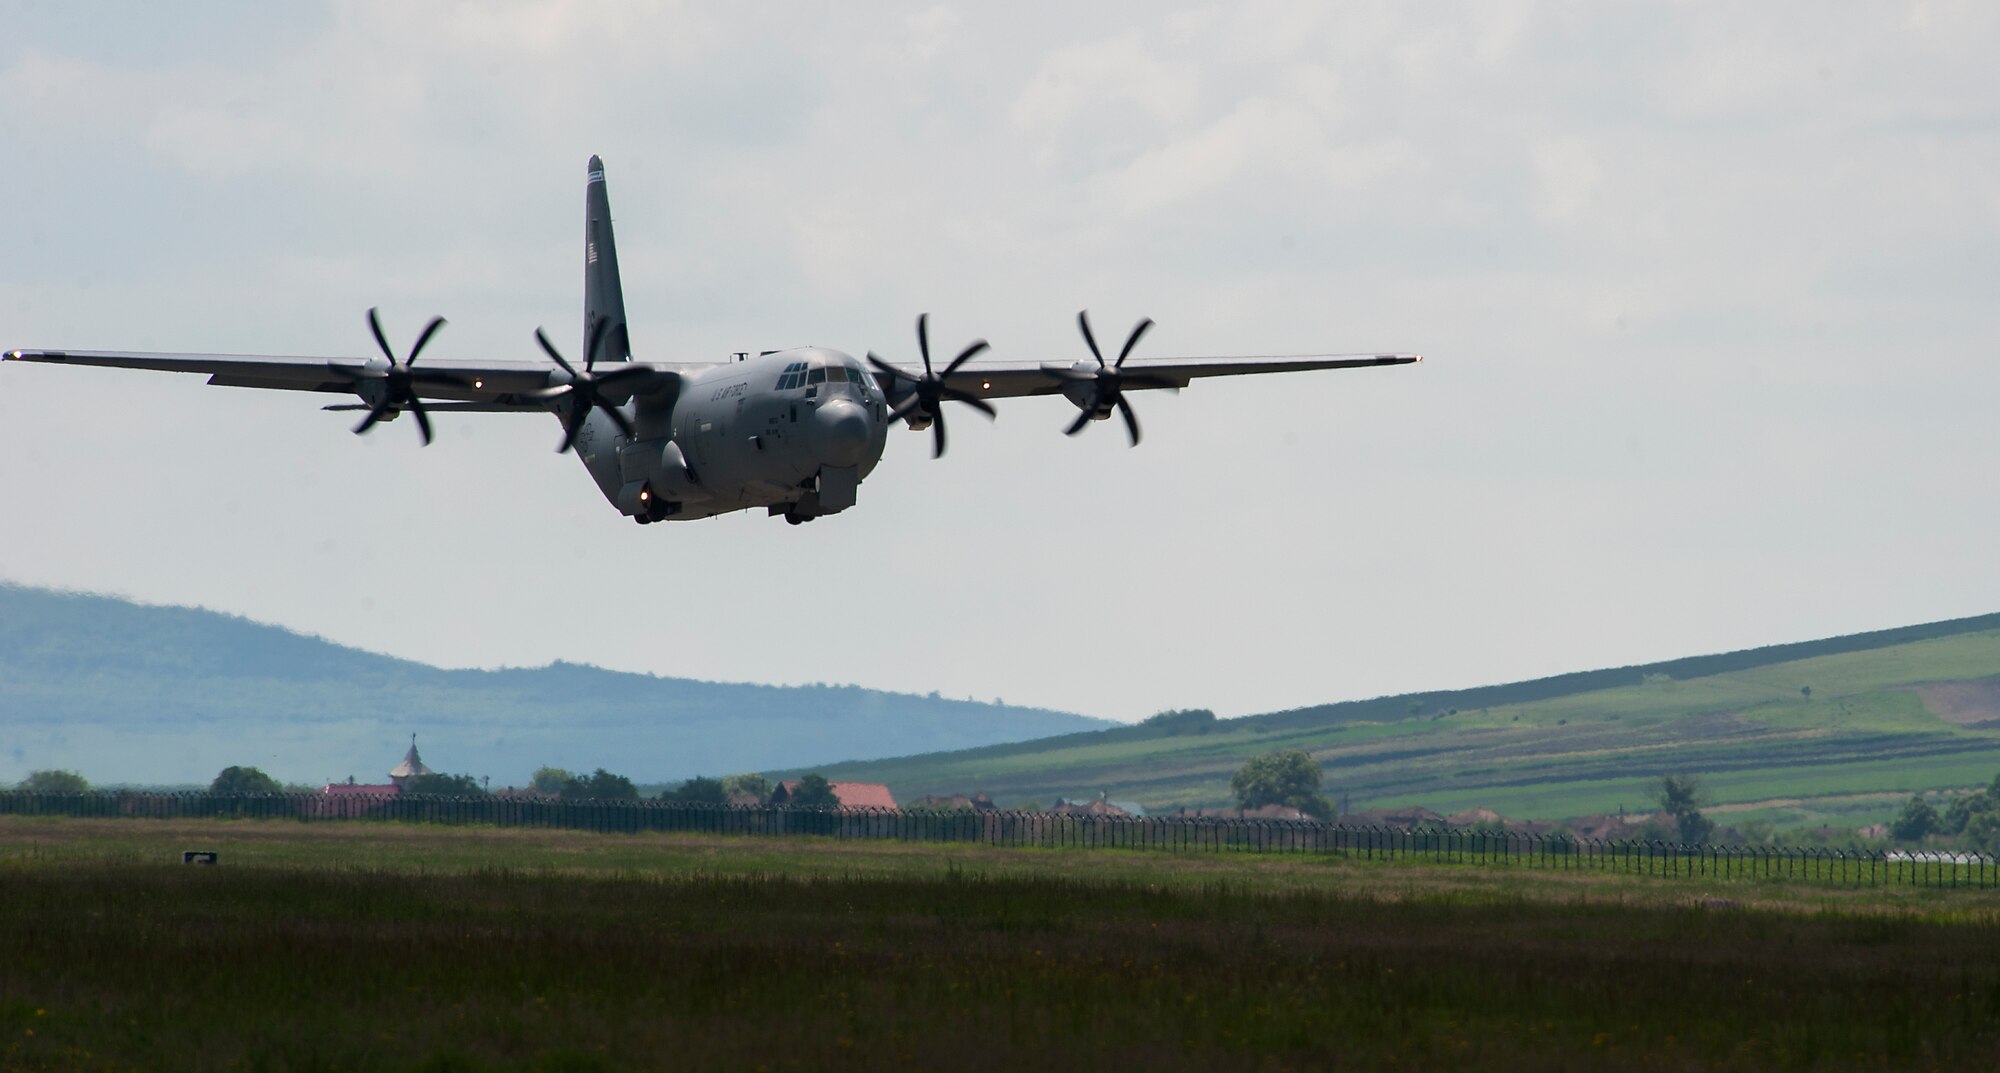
<point x="793" y="431"/>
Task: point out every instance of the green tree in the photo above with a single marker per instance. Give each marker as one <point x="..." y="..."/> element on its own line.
<point x="1918" y="819"/>
<point x="748" y="783"/>
<point x="1289" y="777"/>
<point x="600" y="785"/>
<point x="551" y="780"/>
<point x="813" y="791"/>
<point x="55" y="782"/>
<point x="1963" y="809"/>
<point x="700" y="790"/>
<point x="244" y="780"/>
<point x="445" y="785"/>
<point x="1680" y="797"/>
<point x="1983" y="830"/>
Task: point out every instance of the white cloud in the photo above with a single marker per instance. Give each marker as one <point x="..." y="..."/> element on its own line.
<point x="1703" y="288"/>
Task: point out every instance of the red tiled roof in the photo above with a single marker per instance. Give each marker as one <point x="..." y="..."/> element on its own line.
<point x="851" y="794"/>
<point x="864" y="795"/>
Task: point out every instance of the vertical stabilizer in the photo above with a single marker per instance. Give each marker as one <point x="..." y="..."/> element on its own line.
<point x="603" y="295"/>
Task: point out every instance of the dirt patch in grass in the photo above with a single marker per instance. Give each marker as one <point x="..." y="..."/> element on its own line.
<point x="1974" y="703"/>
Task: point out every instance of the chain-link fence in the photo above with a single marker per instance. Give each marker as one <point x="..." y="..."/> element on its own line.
<point x="1852" y="866"/>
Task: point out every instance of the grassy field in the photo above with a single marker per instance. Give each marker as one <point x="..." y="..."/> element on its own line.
<point x="365" y="947"/>
<point x="1862" y="742"/>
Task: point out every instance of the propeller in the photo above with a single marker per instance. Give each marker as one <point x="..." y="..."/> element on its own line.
<point x="587" y="389"/>
<point x="398" y="382"/>
<point x="929" y="392"/>
<point x="1108" y="382"/>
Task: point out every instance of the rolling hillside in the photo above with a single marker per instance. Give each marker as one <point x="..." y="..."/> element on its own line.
<point x="131" y="693"/>
<point x="1888" y="713"/>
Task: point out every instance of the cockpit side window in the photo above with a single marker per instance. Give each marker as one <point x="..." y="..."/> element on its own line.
<point x="817" y="376"/>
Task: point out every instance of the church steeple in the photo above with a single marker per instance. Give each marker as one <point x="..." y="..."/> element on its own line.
<point x="411" y="767"/>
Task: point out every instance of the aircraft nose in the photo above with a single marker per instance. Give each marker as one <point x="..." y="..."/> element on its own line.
<point x="843" y="432"/>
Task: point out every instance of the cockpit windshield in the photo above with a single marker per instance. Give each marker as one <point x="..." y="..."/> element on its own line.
<point x="820" y="371"/>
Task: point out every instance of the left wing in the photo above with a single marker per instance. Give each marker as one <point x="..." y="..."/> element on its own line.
<point x="487" y="385"/>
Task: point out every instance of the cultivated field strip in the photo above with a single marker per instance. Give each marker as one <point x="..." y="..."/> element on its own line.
<point x="1177" y="836"/>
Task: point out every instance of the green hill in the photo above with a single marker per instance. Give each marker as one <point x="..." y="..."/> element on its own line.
<point x="1889" y="712"/>
<point x="131" y="693"/>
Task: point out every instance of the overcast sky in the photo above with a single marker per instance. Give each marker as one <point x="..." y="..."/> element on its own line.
<point x="1707" y="295"/>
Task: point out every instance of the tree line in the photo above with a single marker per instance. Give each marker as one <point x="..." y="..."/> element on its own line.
<point x="812" y="790"/>
<point x="1971" y="819"/>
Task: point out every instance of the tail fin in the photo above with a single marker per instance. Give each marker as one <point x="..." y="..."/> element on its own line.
<point x="603" y="295"/>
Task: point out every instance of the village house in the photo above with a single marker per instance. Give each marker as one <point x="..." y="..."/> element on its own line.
<point x="1412" y="816"/>
<point x="852" y="795"/>
<point x="955" y="802"/>
<point x="1265" y="812"/>
<point x="1102" y="806"/>
<point x="352" y="798"/>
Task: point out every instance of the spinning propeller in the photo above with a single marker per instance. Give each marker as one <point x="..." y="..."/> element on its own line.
<point x="1107" y="383"/>
<point x="929" y="392"/>
<point x="396" y="388"/>
<point x="587" y="389"/>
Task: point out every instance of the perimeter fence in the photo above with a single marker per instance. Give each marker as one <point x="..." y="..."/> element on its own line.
<point x="1852" y="866"/>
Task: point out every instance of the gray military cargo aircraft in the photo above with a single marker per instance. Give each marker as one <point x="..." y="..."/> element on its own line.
<point x="792" y="431"/>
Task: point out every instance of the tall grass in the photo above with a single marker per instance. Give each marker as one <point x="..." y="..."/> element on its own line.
<point x="671" y="954"/>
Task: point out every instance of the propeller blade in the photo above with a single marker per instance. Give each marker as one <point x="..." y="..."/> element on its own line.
<point x="973" y="401"/>
<point x="376" y="414"/>
<point x="888" y="369"/>
<point x="924" y="340"/>
<point x="550" y="349"/>
<point x="375" y="326"/>
<point x="570" y="429"/>
<point x="1131" y="419"/>
<point x="978" y="346"/>
<point x="624" y="371"/>
<point x="429" y="330"/>
<point x="595" y="342"/>
<point x="1083" y="321"/>
<point x="906" y="408"/>
<point x="937" y="435"/>
<point x="423" y="419"/>
<point x="1138" y="330"/>
<point x="1076" y="426"/>
<point x="618" y="418"/>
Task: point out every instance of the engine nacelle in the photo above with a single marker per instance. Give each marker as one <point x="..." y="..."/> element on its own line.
<point x="656" y="479"/>
<point x="1085" y="396"/>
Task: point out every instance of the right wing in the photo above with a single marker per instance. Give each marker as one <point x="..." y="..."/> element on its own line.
<point x="1009" y="379"/>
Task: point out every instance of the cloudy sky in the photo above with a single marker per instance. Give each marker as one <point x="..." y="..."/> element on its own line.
<point x="1706" y="292"/>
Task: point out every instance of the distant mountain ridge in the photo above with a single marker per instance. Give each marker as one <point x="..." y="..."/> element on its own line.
<point x="125" y="692"/>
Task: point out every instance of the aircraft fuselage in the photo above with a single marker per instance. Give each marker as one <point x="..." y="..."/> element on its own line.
<point x="794" y="431"/>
